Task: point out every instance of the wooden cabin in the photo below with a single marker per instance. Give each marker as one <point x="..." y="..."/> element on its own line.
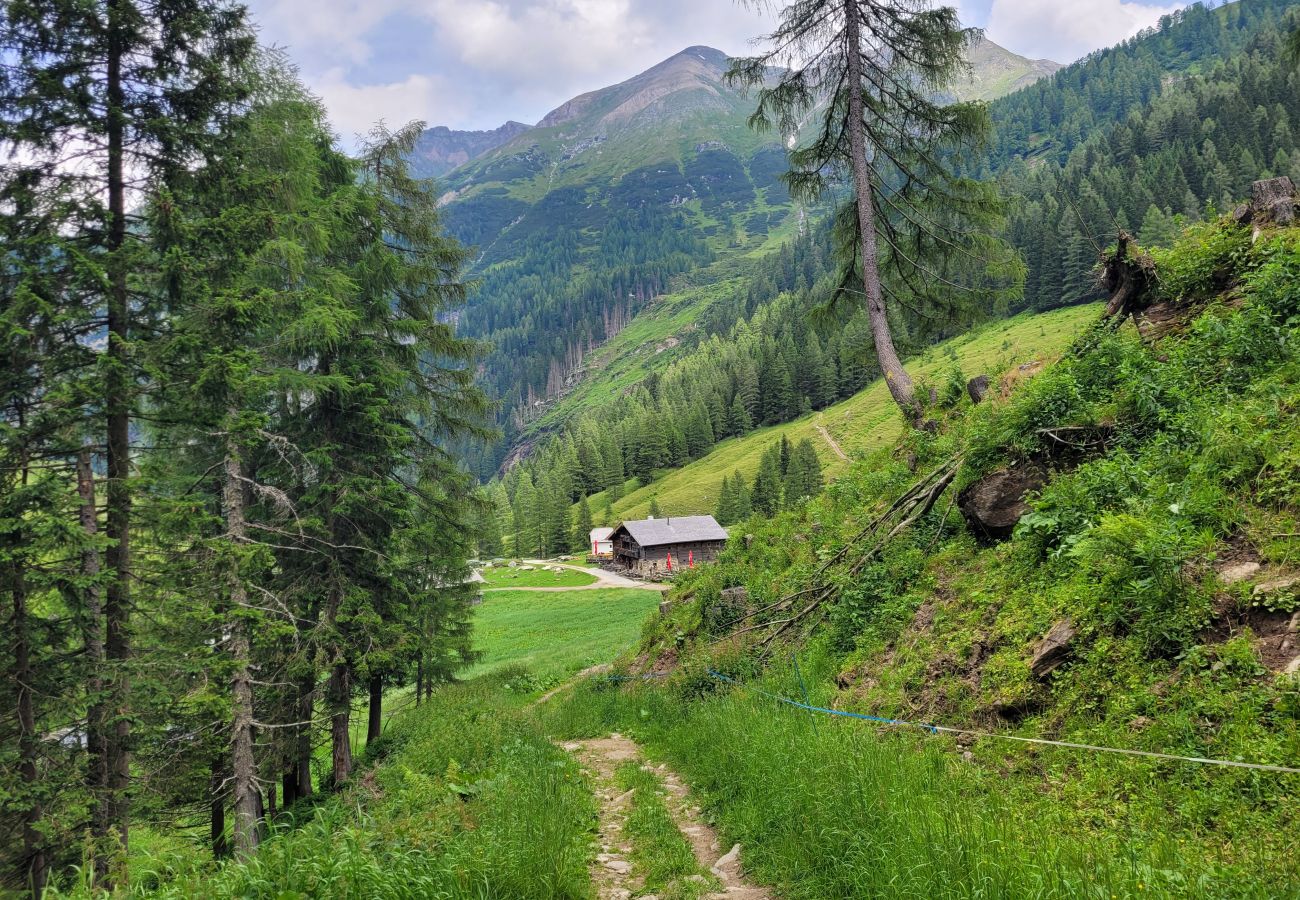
<point x="650" y="546"/>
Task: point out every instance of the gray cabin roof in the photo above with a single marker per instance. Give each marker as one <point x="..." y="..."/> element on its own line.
<point x="674" y="530"/>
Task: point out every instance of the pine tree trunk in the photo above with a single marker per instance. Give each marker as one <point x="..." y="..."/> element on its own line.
<point x="117" y="419"/>
<point x="246" y="796"/>
<point x="375" y="717"/>
<point x="33" y="863"/>
<point x="93" y="638"/>
<point x="289" y="789"/>
<point x="217" y="814"/>
<point x="896" y="377"/>
<point x="306" y="706"/>
<point x="419" y="678"/>
<point x="340" y="701"/>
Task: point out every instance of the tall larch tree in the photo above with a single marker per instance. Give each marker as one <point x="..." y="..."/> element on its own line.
<point x="872" y="73"/>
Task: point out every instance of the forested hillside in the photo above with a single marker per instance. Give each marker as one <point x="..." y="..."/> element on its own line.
<point x="615" y="198"/>
<point x="1157" y="132"/>
<point x="1067" y="201"/>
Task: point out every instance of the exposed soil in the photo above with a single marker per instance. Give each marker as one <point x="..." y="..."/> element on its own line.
<point x="611" y="872"/>
<point x="831" y="442"/>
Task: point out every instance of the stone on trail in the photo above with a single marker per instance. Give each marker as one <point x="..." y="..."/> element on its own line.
<point x="1276" y="585"/>
<point x="1234" y="572"/>
<point x="729" y="859"/>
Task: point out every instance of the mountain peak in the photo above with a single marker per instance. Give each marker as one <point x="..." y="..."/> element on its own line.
<point x="697" y="68"/>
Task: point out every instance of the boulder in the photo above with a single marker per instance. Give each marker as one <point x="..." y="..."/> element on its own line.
<point x="665" y="607"/>
<point x="1053" y="649"/>
<point x="1270" y="193"/>
<point x="735" y="596"/>
<point x="978" y="388"/>
<point x="1277" y="586"/>
<point x="993" y="505"/>
<point x="1231" y="573"/>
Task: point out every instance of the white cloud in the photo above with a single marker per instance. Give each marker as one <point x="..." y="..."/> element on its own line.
<point x="540" y="40"/>
<point x="354" y="109"/>
<point x="322" y="33"/>
<point x="1065" y="31"/>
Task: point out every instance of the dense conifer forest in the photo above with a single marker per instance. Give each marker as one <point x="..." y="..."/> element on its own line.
<point x="227" y="505"/>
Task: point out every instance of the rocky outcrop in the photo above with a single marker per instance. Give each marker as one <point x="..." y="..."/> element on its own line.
<point x="994" y="504"/>
<point x="978" y="388"/>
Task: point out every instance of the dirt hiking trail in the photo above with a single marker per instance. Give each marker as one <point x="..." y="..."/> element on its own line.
<point x="612" y="873"/>
<point x="830" y="441"/>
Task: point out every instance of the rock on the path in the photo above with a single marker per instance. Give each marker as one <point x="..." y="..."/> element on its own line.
<point x="729" y="859"/>
<point x="618" y="866"/>
<point x="1231" y="574"/>
<point x="1276" y="585"/>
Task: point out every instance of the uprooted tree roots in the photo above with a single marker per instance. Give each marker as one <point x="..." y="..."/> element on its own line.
<point x="807" y="607"/>
<point x="1129" y="278"/>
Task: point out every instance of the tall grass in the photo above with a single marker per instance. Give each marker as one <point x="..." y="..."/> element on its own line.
<point x="462" y="798"/>
<point x="827" y="808"/>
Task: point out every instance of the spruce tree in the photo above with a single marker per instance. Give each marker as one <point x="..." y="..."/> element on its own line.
<point x="102" y="100"/>
<point x="725" y="511"/>
<point x="766" y="495"/>
<point x="582" y="525"/>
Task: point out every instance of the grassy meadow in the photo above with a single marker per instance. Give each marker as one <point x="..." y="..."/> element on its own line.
<point x="554" y="634"/>
<point x="866" y="421"/>
<point x="506" y="577"/>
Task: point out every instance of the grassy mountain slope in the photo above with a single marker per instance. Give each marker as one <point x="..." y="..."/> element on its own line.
<point x="863" y="423"/>
<point x="1162" y="547"/>
<point x="614" y="199"/>
<point x="996" y="72"/>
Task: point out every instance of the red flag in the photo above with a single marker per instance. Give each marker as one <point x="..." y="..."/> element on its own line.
<point x="670" y="562"/>
<point x="690" y="559"/>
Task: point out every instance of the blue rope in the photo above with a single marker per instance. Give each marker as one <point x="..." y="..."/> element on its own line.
<point x="822" y="709"/>
<point x="944" y="729"/>
<point x="646" y="677"/>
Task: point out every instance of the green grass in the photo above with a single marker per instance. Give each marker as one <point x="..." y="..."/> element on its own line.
<point x="661" y="854"/>
<point x="554" y="635"/>
<point x="829" y="808"/>
<point x="504" y="576"/>
<point x="865" y="422"/>
<point x="464" y="799"/>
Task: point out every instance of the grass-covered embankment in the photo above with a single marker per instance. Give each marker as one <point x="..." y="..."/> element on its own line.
<point x="463" y="797"/>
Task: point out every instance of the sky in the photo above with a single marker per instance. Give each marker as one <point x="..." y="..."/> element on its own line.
<point x="474" y="64"/>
